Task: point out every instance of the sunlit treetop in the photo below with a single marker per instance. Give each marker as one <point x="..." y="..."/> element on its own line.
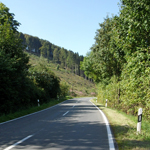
<point x="8" y="18"/>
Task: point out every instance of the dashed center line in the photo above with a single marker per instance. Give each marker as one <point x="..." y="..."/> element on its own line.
<point x="21" y="141"/>
<point x="12" y="146"/>
<point x="65" y="113"/>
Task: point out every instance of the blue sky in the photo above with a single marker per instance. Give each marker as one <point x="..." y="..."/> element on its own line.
<point x="67" y="23"/>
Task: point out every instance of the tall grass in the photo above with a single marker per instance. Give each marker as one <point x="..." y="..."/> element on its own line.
<point x="124" y="128"/>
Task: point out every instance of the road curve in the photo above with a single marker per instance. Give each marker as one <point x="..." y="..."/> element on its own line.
<point x="75" y="124"/>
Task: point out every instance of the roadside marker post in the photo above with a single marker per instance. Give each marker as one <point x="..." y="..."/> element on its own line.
<point x="139" y="120"/>
<point x="106" y="103"/>
<point x="58" y="98"/>
<point x="38" y="102"/>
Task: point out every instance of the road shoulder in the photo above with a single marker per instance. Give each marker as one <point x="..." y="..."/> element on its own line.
<point x="124" y="129"/>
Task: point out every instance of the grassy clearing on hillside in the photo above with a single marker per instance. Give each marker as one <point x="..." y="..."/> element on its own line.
<point x="124" y="129"/>
<point x="78" y="85"/>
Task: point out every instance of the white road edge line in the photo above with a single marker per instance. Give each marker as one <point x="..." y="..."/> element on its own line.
<point x="31" y="114"/>
<point x="110" y="136"/>
<point x="65" y="113"/>
<point x="21" y="141"/>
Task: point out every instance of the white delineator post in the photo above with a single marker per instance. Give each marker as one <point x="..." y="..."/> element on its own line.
<point x="106" y="103"/>
<point x="139" y="120"/>
<point x="38" y="102"/>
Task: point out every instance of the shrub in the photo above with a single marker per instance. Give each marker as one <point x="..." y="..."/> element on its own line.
<point x="48" y="82"/>
<point x="64" y="89"/>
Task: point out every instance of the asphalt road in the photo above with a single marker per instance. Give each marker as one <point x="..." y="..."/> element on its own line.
<point x="72" y="125"/>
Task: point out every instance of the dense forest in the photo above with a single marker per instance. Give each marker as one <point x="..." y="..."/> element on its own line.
<point x="67" y="59"/>
<point x="119" y="60"/>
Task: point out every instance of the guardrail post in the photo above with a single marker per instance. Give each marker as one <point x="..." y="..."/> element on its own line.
<point x="139" y="120"/>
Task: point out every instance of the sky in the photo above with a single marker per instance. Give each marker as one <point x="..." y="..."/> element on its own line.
<point x="71" y="24"/>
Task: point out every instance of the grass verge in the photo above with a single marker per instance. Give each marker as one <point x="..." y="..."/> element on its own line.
<point x="124" y="129"/>
<point x="21" y="113"/>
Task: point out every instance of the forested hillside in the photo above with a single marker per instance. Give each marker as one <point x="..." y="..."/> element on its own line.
<point x="77" y="85"/>
<point x="67" y="59"/>
<point x="119" y="60"/>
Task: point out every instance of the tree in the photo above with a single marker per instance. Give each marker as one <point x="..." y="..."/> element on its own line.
<point x="7" y="17"/>
<point x="133" y="26"/>
<point x="63" y="57"/>
<point x="119" y="59"/>
<point x="71" y="60"/>
<point x="134" y="39"/>
<point x="45" y="49"/>
<point x="56" y="55"/>
<point x="87" y="66"/>
<point x="77" y="63"/>
<point x="13" y="62"/>
<point x="33" y="43"/>
<point x="21" y="36"/>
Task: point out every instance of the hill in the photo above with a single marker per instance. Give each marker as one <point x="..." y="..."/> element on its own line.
<point x="79" y="86"/>
<point x="65" y="58"/>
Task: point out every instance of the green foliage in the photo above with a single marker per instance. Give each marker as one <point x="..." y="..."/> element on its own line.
<point x="109" y="92"/>
<point x="64" y="89"/>
<point x="20" y="88"/>
<point x="13" y="64"/>
<point x="63" y="57"/>
<point x="135" y="74"/>
<point x="66" y="59"/>
<point x="79" y="84"/>
<point x="7" y="18"/>
<point x="56" y="55"/>
<point x="105" y="58"/>
<point x="45" y="49"/>
<point x="119" y="59"/>
<point x="57" y="67"/>
<point x="135" y="83"/>
<point x="87" y="65"/>
<point x="48" y="83"/>
<point x="135" y="17"/>
<point x="22" y="84"/>
<point x="45" y="79"/>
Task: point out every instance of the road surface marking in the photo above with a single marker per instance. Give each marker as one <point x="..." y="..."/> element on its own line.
<point x="110" y="137"/>
<point x="12" y="146"/>
<point x="65" y="113"/>
<point x="32" y="113"/>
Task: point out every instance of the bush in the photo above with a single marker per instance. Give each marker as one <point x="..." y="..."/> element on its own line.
<point x="109" y="92"/>
<point x="64" y="89"/>
<point x="48" y="83"/>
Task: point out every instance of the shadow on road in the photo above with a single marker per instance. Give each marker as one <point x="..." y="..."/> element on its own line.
<point x="80" y="129"/>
